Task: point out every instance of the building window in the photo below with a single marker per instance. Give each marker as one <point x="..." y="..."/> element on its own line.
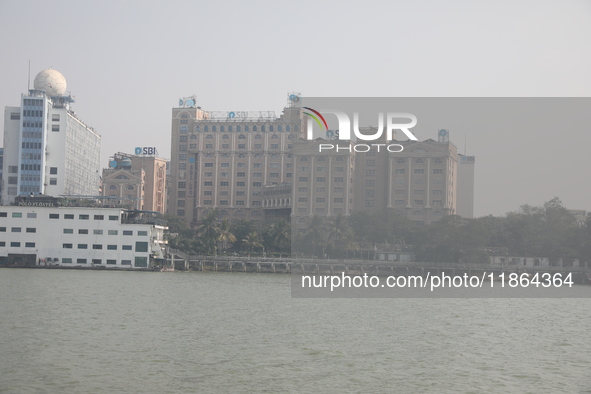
<point x="182" y="185"/>
<point x="97" y="232"/>
<point x="97" y="246"/>
<point x="418" y="202"/>
<point x="339" y="179"/>
<point x="257" y="184"/>
<point x="141" y="262"/>
<point x="418" y="192"/>
<point x="83" y="217"/>
<point x="127" y="232"/>
<point x="111" y="261"/>
<point x="437" y="192"/>
<point x="55" y="127"/>
<point x="240" y="184"/>
<point x="112" y="232"/>
<point x="338" y="199"/>
<point x="126" y="247"/>
<point x="370" y="172"/>
<point x="68" y="216"/>
<point x="53" y="181"/>
<point x="321" y="179"/>
<point x="400" y="171"/>
<point x="141" y="246"/>
<point x="15" y="244"/>
<point x="224" y="183"/>
<point x="111" y="247"/>
<point x="438" y="171"/>
<point x="113" y="217"/>
<point x="99" y="217"/>
<point x="15" y="229"/>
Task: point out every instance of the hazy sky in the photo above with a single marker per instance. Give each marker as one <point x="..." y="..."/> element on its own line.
<point x="128" y="62"/>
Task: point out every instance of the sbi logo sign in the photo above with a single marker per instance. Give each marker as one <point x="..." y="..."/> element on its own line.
<point x="147" y="150"/>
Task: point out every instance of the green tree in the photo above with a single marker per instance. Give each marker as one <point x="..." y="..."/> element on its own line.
<point x="224" y="235"/>
<point x="252" y="241"/>
<point x="340" y="235"/>
<point x="241" y="228"/>
<point x="279" y="239"/>
<point x="314" y="235"/>
<point x="208" y="231"/>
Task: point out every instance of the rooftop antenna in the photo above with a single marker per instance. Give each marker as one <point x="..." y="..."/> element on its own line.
<point x="465" y="143"/>
<point x="29" y="77"/>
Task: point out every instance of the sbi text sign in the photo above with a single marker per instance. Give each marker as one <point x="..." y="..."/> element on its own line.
<point x="146" y="150"/>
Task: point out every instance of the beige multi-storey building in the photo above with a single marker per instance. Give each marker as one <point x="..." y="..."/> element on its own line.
<point x="324" y="183"/>
<point x="136" y="181"/>
<point x="418" y="182"/>
<point x="257" y="165"/>
<point x="224" y="160"/>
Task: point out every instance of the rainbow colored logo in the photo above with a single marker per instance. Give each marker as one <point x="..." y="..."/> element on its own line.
<point x="316" y="118"/>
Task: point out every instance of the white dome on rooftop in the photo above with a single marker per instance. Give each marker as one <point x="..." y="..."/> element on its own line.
<point x="51" y="81"/>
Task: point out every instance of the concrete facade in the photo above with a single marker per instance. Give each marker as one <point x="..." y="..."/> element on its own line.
<point x="38" y="234"/>
<point x="47" y="149"/>
<point x="137" y="182"/>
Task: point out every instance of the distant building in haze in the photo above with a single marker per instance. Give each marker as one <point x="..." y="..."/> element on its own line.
<point x="136" y="182"/>
<point x="466" y="186"/>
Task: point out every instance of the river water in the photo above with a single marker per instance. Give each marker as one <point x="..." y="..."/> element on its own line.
<point x="74" y="331"/>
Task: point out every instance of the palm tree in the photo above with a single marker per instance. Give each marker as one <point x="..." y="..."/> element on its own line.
<point x="252" y="241"/>
<point x="339" y="233"/>
<point x="315" y="233"/>
<point x="209" y="230"/>
<point x="224" y="234"/>
<point x="280" y="235"/>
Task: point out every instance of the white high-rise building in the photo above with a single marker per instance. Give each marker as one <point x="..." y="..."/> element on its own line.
<point x="47" y="149"/>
